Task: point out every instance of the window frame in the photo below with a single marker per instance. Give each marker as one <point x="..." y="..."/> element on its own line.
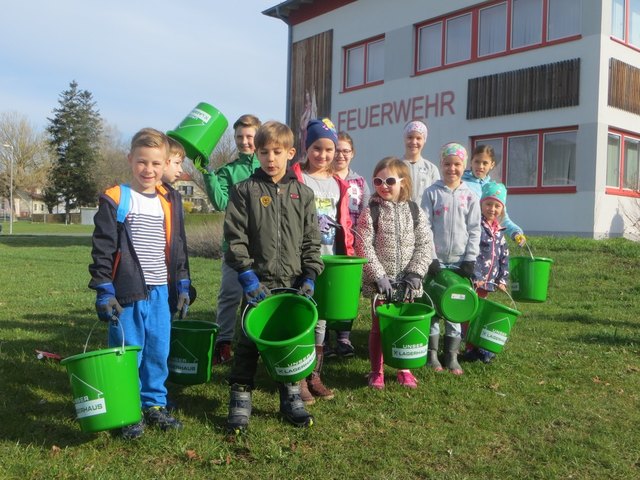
<point x="345" y="65"/>
<point x="626" y="26"/>
<point x="475" y="35"/>
<point x="539" y="188"/>
<point x="620" y="190"/>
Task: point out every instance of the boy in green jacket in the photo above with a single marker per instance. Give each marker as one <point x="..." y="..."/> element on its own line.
<point x="219" y="186"/>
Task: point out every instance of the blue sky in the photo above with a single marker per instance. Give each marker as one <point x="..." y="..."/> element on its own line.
<point x="146" y="62"/>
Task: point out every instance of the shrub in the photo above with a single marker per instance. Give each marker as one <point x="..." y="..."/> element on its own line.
<point x="205" y="239"/>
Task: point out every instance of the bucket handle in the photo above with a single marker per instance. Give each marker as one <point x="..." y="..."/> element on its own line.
<point x="513" y="302"/>
<point x="276" y="290"/>
<point x="114" y="322"/>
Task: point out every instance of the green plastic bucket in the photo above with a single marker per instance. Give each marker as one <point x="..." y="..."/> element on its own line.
<point x="200" y="132"/>
<point x="404" y="332"/>
<point x="105" y="386"/>
<point x="337" y="290"/>
<point x="283" y="328"/>
<point x="490" y="329"/>
<point x="191" y="350"/>
<point x="529" y="278"/>
<point x="453" y="296"/>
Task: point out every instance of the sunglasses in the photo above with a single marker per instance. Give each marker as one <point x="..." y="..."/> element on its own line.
<point x="389" y="181"/>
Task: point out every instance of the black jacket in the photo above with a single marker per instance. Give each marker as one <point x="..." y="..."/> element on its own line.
<point x="114" y="258"/>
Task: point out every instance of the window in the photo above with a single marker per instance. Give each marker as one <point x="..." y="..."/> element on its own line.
<point x="187" y="190"/>
<point x="430" y="46"/>
<point x="526" y="23"/>
<point x="625" y="21"/>
<point x="493" y="30"/>
<point x="532" y="162"/>
<point x="364" y="64"/>
<point x="499" y="28"/>
<point x="563" y="18"/>
<point x="623" y="163"/>
<point x="458" y="39"/>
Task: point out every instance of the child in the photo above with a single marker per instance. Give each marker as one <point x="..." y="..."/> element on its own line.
<point x="453" y="212"/>
<point x="359" y="194"/>
<point x="130" y="267"/>
<point x="334" y="220"/>
<point x="178" y="302"/>
<point x="272" y="230"/>
<point x="492" y="264"/>
<point x="423" y="172"/>
<point x="219" y="185"/>
<point x="398" y="249"/>
<point x="482" y="162"/>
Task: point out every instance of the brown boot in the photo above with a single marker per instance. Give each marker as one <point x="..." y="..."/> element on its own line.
<point x="305" y="394"/>
<point x="314" y="382"/>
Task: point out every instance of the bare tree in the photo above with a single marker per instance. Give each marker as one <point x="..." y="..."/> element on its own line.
<point x="224" y="152"/>
<point x="111" y="166"/>
<point x="32" y="155"/>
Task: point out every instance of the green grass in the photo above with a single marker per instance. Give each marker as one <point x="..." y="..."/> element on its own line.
<point x="560" y="402"/>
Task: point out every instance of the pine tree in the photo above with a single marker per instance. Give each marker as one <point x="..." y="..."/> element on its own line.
<point x="74" y="132"/>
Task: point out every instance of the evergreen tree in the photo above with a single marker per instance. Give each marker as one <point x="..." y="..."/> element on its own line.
<point x="74" y="133"/>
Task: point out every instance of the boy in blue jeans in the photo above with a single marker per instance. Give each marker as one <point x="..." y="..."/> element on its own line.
<point x="136" y="230"/>
<point x="274" y="241"/>
<point x="453" y="212"/>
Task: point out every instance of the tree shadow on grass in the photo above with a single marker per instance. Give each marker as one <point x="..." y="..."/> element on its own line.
<point x="613" y="339"/>
<point x="591" y="320"/>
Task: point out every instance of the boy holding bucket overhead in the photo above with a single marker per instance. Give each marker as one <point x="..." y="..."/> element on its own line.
<point x="219" y="186"/>
<point x="492" y="264"/>
<point x="134" y="248"/>
<point x="453" y="211"/>
<point x="274" y="242"/>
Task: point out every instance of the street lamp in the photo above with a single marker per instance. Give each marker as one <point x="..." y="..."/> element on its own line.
<point x="6" y="145"/>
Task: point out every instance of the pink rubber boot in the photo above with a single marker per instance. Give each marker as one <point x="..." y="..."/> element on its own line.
<point x="376" y="377"/>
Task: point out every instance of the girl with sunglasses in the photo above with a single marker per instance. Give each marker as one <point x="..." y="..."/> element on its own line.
<point x="358" y="197"/>
<point x="398" y="247"/>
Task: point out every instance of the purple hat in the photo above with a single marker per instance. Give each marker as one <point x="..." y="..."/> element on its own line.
<point x="320" y="128"/>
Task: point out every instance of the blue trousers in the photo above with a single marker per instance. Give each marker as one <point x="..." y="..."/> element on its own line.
<point x="147" y="323"/>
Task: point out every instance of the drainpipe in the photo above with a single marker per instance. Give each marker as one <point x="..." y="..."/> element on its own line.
<point x="289" y="50"/>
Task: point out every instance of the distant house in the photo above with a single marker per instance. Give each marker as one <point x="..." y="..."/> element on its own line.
<point x="26" y="203"/>
<point x="192" y="192"/>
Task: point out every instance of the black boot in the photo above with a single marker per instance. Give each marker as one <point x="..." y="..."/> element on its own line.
<point x="239" y="408"/>
<point x="292" y="407"/>
<point x="451" y="349"/>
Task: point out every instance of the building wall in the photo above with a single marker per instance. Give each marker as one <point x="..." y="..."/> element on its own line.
<point x="589" y="211"/>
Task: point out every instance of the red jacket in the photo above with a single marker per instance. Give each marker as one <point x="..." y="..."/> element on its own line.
<point x="344" y="234"/>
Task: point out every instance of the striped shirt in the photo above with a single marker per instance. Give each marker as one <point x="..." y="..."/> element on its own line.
<point x="146" y="218"/>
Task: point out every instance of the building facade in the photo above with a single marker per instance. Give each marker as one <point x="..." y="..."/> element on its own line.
<point x="552" y="85"/>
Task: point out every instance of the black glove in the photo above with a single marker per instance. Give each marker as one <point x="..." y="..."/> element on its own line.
<point x="384" y="287"/>
<point x="306" y="287"/>
<point x="254" y="291"/>
<point x="467" y="269"/>
<point x="183" y="298"/>
<point x="412" y="283"/>
<point x="107" y="306"/>
<point x="434" y="268"/>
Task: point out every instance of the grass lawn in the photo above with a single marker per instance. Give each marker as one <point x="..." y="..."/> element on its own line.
<point x="560" y="402"/>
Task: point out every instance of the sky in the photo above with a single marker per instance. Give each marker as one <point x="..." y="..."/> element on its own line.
<point x="147" y="63"/>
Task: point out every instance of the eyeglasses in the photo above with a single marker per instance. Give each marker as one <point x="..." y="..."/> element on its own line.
<point x="344" y="152"/>
<point x="389" y="181"/>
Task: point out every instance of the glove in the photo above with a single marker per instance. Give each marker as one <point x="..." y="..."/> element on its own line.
<point x="412" y="283"/>
<point x="384" y="287"/>
<point x="434" y="268"/>
<point x="467" y="268"/>
<point x="520" y="239"/>
<point x="199" y="166"/>
<point x="306" y="287"/>
<point x="254" y="291"/>
<point x="183" y="298"/>
<point x="107" y="306"/>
